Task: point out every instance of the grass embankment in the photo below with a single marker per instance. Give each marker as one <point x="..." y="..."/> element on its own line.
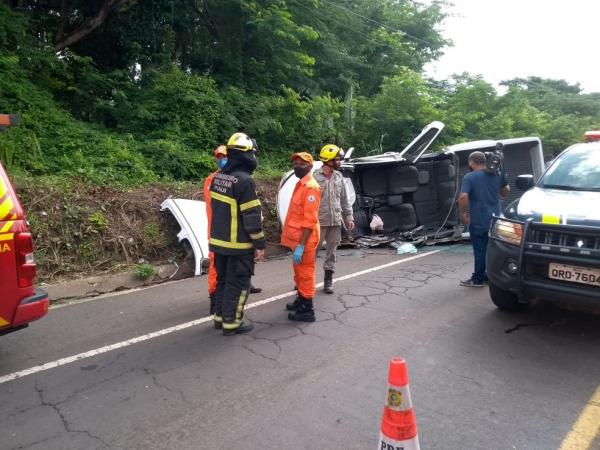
<point x="81" y="229"/>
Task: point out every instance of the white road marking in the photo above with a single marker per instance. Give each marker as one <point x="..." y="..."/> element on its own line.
<point x="108" y="348"/>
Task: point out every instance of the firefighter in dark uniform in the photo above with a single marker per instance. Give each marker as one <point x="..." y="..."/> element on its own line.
<point x="236" y="235"/>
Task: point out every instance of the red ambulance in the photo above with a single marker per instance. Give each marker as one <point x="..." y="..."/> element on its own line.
<point x="20" y="301"/>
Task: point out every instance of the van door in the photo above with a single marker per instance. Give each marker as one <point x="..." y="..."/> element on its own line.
<point x="413" y="151"/>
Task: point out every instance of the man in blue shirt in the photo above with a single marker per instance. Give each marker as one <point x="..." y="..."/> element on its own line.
<point x="479" y="200"/>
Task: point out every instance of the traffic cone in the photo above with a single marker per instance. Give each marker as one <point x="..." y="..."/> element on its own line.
<point x="398" y="424"/>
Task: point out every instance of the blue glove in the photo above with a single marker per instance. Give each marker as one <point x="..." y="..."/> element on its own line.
<point x="298" y="253"/>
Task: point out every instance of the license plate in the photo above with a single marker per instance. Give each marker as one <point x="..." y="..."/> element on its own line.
<point x="574" y="274"/>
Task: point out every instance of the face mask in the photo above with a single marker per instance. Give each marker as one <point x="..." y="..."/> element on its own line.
<point x="221" y="162"/>
<point x="301" y="172"/>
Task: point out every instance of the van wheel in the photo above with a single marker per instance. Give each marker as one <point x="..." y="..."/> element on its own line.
<point x="505" y="300"/>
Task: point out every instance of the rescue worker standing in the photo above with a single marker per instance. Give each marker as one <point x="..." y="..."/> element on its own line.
<point x="236" y="235"/>
<point x="221" y="157"/>
<point x="301" y="234"/>
<point x="335" y="208"/>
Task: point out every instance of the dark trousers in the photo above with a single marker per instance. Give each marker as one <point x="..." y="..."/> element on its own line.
<point x="233" y="286"/>
<point x="479" y="241"/>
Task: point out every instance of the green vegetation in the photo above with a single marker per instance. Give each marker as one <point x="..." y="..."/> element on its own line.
<point x="129" y="92"/>
<point x="121" y="97"/>
<point x="144" y="271"/>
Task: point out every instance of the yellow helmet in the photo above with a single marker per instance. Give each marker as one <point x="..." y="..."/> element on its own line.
<point x="330" y="152"/>
<point x="241" y="142"/>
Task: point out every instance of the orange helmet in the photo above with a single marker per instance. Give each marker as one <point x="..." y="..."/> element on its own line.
<point x="221" y="150"/>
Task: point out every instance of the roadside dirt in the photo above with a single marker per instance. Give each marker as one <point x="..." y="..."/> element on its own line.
<point x="81" y="230"/>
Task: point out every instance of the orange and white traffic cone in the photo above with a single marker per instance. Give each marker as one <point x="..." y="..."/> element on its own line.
<point x="398" y="424"/>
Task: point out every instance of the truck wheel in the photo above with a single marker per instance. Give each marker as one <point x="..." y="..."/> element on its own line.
<point x="505" y="300"/>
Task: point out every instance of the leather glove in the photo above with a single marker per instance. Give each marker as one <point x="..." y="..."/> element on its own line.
<point x="298" y="253"/>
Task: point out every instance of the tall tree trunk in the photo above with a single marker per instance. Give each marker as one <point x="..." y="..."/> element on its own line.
<point x="63" y="41"/>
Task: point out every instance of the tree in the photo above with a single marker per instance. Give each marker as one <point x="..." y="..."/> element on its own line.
<point x="394" y="116"/>
<point x="69" y="21"/>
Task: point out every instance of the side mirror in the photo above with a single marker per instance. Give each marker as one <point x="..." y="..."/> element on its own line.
<point x="525" y="182"/>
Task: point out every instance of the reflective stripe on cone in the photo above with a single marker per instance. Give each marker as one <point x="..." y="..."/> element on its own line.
<point x="386" y="443"/>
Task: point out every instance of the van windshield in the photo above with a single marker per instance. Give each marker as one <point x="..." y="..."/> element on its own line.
<point x="577" y="169"/>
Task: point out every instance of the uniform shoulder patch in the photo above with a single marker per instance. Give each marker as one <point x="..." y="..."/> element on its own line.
<point x="311" y="198"/>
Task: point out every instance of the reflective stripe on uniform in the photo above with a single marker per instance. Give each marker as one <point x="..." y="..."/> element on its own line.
<point x="239" y="312"/>
<point x="232" y="325"/>
<point x="217" y="318"/>
<point x="250" y="204"/>
<point x="225" y="244"/>
<point x="234" y="226"/>
<point x="256" y="236"/>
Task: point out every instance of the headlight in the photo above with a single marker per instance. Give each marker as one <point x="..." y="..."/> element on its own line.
<point x="509" y="232"/>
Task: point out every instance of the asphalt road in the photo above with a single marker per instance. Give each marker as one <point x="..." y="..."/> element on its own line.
<point x="480" y="378"/>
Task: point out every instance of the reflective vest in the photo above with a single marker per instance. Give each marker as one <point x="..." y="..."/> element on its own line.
<point x="236" y="216"/>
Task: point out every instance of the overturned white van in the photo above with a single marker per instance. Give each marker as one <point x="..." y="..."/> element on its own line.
<point x="412" y="190"/>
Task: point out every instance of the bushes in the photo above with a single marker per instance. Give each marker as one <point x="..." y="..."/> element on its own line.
<point x="176" y="106"/>
<point x="162" y="126"/>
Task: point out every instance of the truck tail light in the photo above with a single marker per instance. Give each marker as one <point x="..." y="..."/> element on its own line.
<point x="25" y="260"/>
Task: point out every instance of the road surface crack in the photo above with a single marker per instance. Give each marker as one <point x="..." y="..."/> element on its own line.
<point x="154" y="375"/>
<point x="535" y="324"/>
<point x="68" y="428"/>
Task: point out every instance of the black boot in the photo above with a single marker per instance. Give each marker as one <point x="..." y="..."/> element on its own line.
<point x="242" y="329"/>
<point x="293" y="306"/>
<point x="212" y="304"/>
<point x="327" y="285"/>
<point x="217" y="321"/>
<point x="304" y="313"/>
<point x="255" y="290"/>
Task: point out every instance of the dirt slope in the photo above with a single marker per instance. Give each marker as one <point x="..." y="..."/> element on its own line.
<point x="82" y="230"/>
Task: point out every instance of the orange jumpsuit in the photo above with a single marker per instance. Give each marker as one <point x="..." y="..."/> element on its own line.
<point x="303" y="212"/>
<point x="212" y="273"/>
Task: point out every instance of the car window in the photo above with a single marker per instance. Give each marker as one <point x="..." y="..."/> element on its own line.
<point x="577" y="169"/>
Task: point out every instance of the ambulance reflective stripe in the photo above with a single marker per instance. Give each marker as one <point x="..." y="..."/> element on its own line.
<point x="250" y="204"/>
<point x="6" y="208"/>
<point x="3" y="322"/>
<point x="3" y="188"/>
<point x="6" y="237"/>
<point x="7" y="226"/>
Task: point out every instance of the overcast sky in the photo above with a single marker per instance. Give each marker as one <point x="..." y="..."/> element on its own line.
<point x="505" y="39"/>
